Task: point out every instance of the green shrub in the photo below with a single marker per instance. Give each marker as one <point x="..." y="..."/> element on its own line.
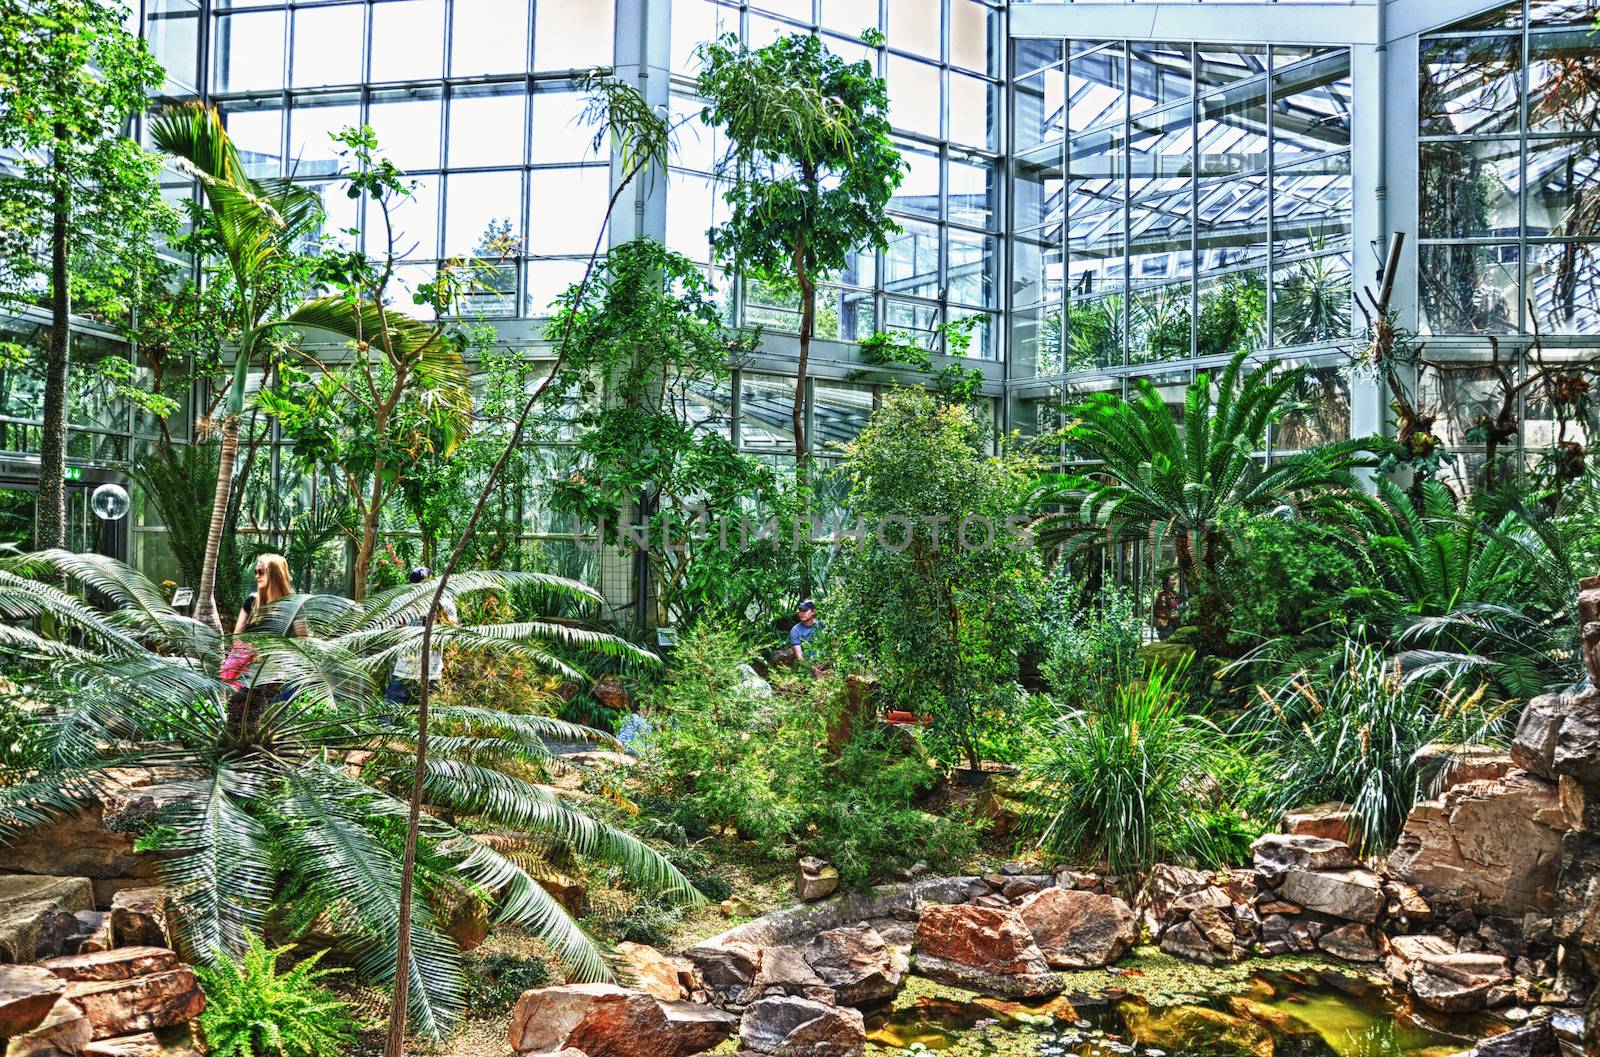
<point x="1088" y="638"/>
<point x="1117" y="780"/>
<point x="727" y="755"/>
<point x="253" y="1010"/>
<point x="1351" y="732"/>
<point x="1287" y="578"/>
<point x="496" y="981"/>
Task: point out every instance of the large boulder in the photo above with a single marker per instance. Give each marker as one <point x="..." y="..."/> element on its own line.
<point x="665" y="976"/>
<point x="784" y="971"/>
<point x="141" y="917"/>
<point x="27" y="994"/>
<point x="1354" y="895"/>
<point x="1277" y="853"/>
<point x="611" y="1020"/>
<point x="38" y="914"/>
<point x="982" y="948"/>
<point x="139" y="1003"/>
<point x="1165" y="884"/>
<point x="1353" y="942"/>
<point x="784" y="1026"/>
<point x="1078" y="930"/>
<point x="122" y="963"/>
<point x="1330" y="821"/>
<point x="96" y="841"/>
<point x="64" y="1032"/>
<point x="1493" y="844"/>
<point x="856" y="964"/>
<point x="1442" y="977"/>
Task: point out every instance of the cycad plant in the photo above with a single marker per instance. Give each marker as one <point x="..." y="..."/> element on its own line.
<point x="1351" y="732"/>
<point x="278" y="808"/>
<point x="1152" y="476"/>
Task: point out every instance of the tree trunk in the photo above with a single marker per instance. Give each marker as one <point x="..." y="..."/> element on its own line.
<point x="808" y="318"/>
<point x="52" y="515"/>
<point x="205" y="607"/>
<point x="369" y="535"/>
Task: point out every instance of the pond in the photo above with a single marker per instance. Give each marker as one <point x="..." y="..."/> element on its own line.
<point x="1267" y="1013"/>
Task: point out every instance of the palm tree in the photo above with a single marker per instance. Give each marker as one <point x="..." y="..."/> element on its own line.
<point x="258" y="224"/>
<point x="1151" y="477"/>
<point x="277" y="810"/>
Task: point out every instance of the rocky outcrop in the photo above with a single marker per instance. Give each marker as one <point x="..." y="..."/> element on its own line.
<point x="39" y="915"/>
<point x="797" y="1027"/>
<point x="109" y="1004"/>
<point x="140" y="917"/>
<point x="856" y="965"/>
<point x="1491" y="843"/>
<point x="1331" y="821"/>
<point x="1442" y="977"/>
<point x="665" y="976"/>
<point x="983" y="948"/>
<point x="139" y="1003"/>
<point x="611" y="1020"/>
<point x="65" y="1032"/>
<point x="1077" y="929"/>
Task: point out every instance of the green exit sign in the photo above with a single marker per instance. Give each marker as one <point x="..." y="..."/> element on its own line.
<point x="72" y="473"/>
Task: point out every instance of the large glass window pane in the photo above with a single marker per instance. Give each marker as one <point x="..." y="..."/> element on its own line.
<point x="1232" y="130"/>
<point x="407" y="40"/>
<point x="172" y="28"/>
<point x="1564" y="285"/>
<point x="914" y="27"/>
<point x="1097" y="82"/>
<point x="1160" y="74"/>
<point x="1469" y="188"/>
<point x="1563" y="71"/>
<point x="1467" y="289"/>
<point x="248" y="47"/>
<point x="919" y="190"/>
<point x="1311" y="105"/>
<point x="766" y="412"/>
<point x="974" y="111"/>
<point x="1233" y="313"/>
<point x="973" y="191"/>
<point x="843" y="315"/>
<point x="328" y="44"/>
<point x="1311" y="300"/>
<point x="849" y="17"/>
<point x="1469" y="85"/>
<point x="839" y="412"/>
<point x="1035" y="345"/>
<point x="572" y="34"/>
<point x="1564" y="184"/>
<point x="1319" y="409"/>
<point x="1220" y="65"/>
<point x="911" y="261"/>
<point x="1563" y="12"/>
<point x="1038" y="107"/>
<point x="794" y="10"/>
<point x="1232" y="221"/>
<point x="488" y="36"/>
<point x="566" y="209"/>
<point x="970" y="267"/>
<point x="1162" y="145"/>
<point x="697" y="207"/>
<point x="486" y="125"/>
<point x="914" y="99"/>
<point x="974" y="37"/>
<point x="1311" y="206"/>
<point x="1036" y="266"/>
<point x="312" y="122"/>
<point x="341" y="213"/>
<point x="406" y="122"/>
<point x="481" y="211"/>
<point x="913" y="320"/>
<point x="560" y="133"/>
<point x="546" y="280"/>
<point x="256" y="128"/>
<point x="1159" y="316"/>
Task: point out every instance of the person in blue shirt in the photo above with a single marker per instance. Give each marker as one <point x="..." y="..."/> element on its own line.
<point x="803" y="632"/>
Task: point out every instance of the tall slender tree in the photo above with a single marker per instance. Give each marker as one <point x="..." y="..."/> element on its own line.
<point x="79" y="197"/>
<point x="812" y="169"/>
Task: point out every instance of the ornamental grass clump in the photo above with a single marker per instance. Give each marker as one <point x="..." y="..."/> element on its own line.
<point x="1357" y="738"/>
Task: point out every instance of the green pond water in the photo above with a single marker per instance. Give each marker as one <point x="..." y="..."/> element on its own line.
<point x="1281" y="1013"/>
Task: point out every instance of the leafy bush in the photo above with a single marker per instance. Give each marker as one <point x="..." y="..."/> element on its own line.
<point x="1088" y="640"/>
<point x="1356" y="739"/>
<point x="1118" y="780"/>
<point x="730" y="754"/>
<point x="253" y="1010"/>
<point x="1286" y="578"/>
<point x="496" y="981"/>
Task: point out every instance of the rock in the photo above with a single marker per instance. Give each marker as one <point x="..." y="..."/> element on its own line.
<point x="1192" y="900"/>
<point x="1493" y="844"/>
<point x="1286" y="935"/>
<point x="814" y="880"/>
<point x="1443" y="765"/>
<point x="1535" y="1039"/>
<point x="1277" y="853"/>
<point x="64" y="1032"/>
<point x="857" y="965"/>
<point x="664" y="976"/>
<point x="1330" y="821"/>
<point x="1079" y="930"/>
<point x="462" y="915"/>
<point x="95" y="934"/>
<point x="1164" y="884"/>
<point x="1580" y="804"/>
<point x="1195" y="1029"/>
<point x="122" y="1007"/>
<point x="123" y="963"/>
<point x="785" y="971"/>
<point x="1278" y="906"/>
<point x="726" y="962"/>
<point x="1534" y="747"/>
<point x="1188" y="940"/>
<point x="1406" y="900"/>
<point x="571" y="893"/>
<point x="797" y="1027"/>
<point x="1442" y="977"/>
<point x="27" y="994"/>
<point x="1019" y="887"/>
<point x="1353" y="942"/>
<point x="97" y="840"/>
<point x="139" y="918"/>
<point x="1353" y="895"/>
<point x="983" y="949"/>
<point x="145" y="1044"/>
<point x="607" y="1019"/>
<point x="37" y="914"/>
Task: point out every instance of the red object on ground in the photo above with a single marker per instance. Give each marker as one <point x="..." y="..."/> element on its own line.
<point x="901" y="718"/>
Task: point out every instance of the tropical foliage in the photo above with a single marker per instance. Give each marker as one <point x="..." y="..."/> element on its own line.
<point x="255" y="1010"/>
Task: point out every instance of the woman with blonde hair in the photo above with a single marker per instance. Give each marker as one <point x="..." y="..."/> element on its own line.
<point x="246" y="706"/>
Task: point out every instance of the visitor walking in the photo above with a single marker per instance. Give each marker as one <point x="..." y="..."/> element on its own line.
<point x="250" y="700"/>
<point x="405" y="680"/>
